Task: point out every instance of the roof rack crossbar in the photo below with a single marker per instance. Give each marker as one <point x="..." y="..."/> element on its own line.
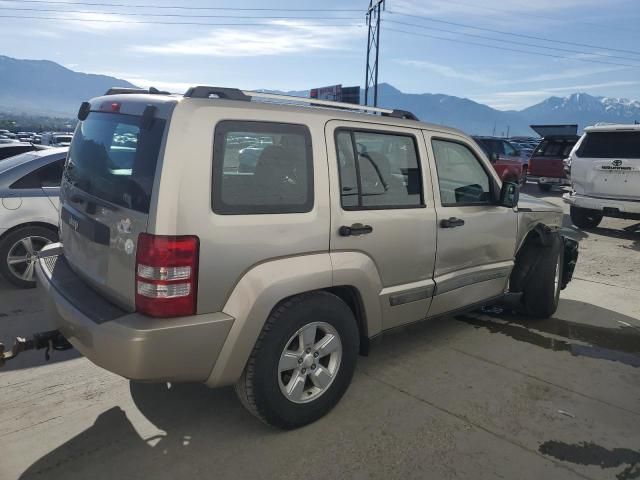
<point x="396" y="113"/>
<point x="217" y="92"/>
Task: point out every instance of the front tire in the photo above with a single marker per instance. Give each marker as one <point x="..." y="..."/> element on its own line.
<point x="303" y="361"/>
<point x="18" y="254"/>
<point x="544" y="187"/>
<point x="538" y="275"/>
<point x="584" y="217"/>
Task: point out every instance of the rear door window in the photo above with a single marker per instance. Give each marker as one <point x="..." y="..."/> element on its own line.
<point x="386" y="173"/>
<point x="610" y="145"/>
<point x="47" y="176"/>
<point x="262" y="167"/>
<point x="113" y="159"/>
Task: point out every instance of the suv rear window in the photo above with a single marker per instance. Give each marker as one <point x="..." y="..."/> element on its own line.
<point x="262" y="167"/>
<point x="610" y="145"/>
<point x="554" y="148"/>
<point x="113" y="159"/>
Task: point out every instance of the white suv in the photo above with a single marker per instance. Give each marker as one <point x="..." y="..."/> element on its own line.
<point x="605" y="175"/>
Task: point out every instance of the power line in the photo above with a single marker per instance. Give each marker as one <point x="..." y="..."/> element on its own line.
<point x="514" y="42"/>
<point x="496" y="47"/>
<point x="179" y="15"/>
<point x="159" y="22"/>
<point x="182" y="7"/>
<point x="502" y="32"/>
<point x="535" y="15"/>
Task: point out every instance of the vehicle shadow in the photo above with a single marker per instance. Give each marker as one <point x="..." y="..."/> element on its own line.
<point x="209" y="434"/>
<point x="201" y="425"/>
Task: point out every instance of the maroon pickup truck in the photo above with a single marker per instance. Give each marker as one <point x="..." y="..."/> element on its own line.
<point x="546" y="165"/>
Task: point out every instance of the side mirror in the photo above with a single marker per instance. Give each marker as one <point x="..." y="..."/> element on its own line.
<point x="509" y="195"/>
<point x="494" y="157"/>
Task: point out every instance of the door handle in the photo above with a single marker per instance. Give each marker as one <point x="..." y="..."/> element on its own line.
<point x="451" y="222"/>
<point x="355" y="230"/>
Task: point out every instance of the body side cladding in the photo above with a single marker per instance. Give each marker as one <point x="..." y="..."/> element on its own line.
<point x="263" y="287"/>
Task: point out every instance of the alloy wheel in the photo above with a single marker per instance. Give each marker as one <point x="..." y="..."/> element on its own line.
<point x="23" y="256"/>
<point x="309" y="362"/>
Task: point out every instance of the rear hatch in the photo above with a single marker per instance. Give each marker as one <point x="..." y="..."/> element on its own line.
<point x="607" y="164"/>
<point x="106" y="193"/>
<point x="556" y="145"/>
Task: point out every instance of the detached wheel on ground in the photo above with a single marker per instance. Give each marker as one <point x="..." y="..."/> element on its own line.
<point x="303" y="361"/>
<point x="584" y="217"/>
<point x="19" y="251"/>
<point x="544" y="187"/>
<point x="538" y="275"/>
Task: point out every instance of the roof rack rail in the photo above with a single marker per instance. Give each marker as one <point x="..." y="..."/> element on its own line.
<point x="125" y="90"/>
<point x="319" y="103"/>
<point x="247" y="95"/>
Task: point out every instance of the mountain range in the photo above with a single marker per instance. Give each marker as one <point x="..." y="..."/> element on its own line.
<point x="47" y="88"/>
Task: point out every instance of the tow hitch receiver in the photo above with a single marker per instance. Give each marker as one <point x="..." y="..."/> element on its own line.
<point x="47" y="340"/>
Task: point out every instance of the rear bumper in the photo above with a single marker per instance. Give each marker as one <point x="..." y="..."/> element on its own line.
<point x="129" y="344"/>
<point x="549" y="180"/>
<point x="609" y="207"/>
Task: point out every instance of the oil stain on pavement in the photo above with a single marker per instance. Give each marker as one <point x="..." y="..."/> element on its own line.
<point x="587" y="453"/>
<point x="618" y="344"/>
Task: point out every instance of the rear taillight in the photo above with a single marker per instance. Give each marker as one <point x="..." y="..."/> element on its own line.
<point x="167" y="275"/>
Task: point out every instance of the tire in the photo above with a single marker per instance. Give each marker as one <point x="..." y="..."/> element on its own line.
<point x="539" y="277"/>
<point x="262" y="387"/>
<point x="16" y="245"/>
<point x="545" y="187"/>
<point x="584" y="217"/>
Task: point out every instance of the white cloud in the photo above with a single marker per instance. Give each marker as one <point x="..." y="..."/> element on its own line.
<point x="95" y="22"/>
<point x="496" y="9"/>
<point x="447" y="71"/>
<point x="278" y="38"/>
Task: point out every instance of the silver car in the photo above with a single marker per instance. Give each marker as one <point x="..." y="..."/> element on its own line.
<point x="174" y="265"/>
<point x="29" y="190"/>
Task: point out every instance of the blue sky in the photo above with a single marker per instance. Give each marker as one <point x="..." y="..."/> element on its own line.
<point x="302" y="53"/>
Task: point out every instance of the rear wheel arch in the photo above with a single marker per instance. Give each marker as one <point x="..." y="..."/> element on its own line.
<point x="46" y="225"/>
<point x="352" y="297"/>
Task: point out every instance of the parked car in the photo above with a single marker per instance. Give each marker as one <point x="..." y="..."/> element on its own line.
<point x="546" y="165"/>
<point x="605" y="175"/>
<point x="506" y="159"/>
<point x="29" y="190"/>
<point x="14" y="148"/>
<point x="177" y="268"/>
<point x="56" y="139"/>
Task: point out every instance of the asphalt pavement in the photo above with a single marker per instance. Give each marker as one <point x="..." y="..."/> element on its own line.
<point x="483" y="395"/>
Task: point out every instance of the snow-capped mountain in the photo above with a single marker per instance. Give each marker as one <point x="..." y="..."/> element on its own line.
<point x="584" y="110"/>
<point x="46" y="88"/>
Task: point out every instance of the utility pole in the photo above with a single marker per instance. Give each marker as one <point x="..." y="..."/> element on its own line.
<point x="373" y="42"/>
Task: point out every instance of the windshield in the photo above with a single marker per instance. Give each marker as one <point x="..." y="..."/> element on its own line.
<point x="113" y="159"/>
<point x="610" y="145"/>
